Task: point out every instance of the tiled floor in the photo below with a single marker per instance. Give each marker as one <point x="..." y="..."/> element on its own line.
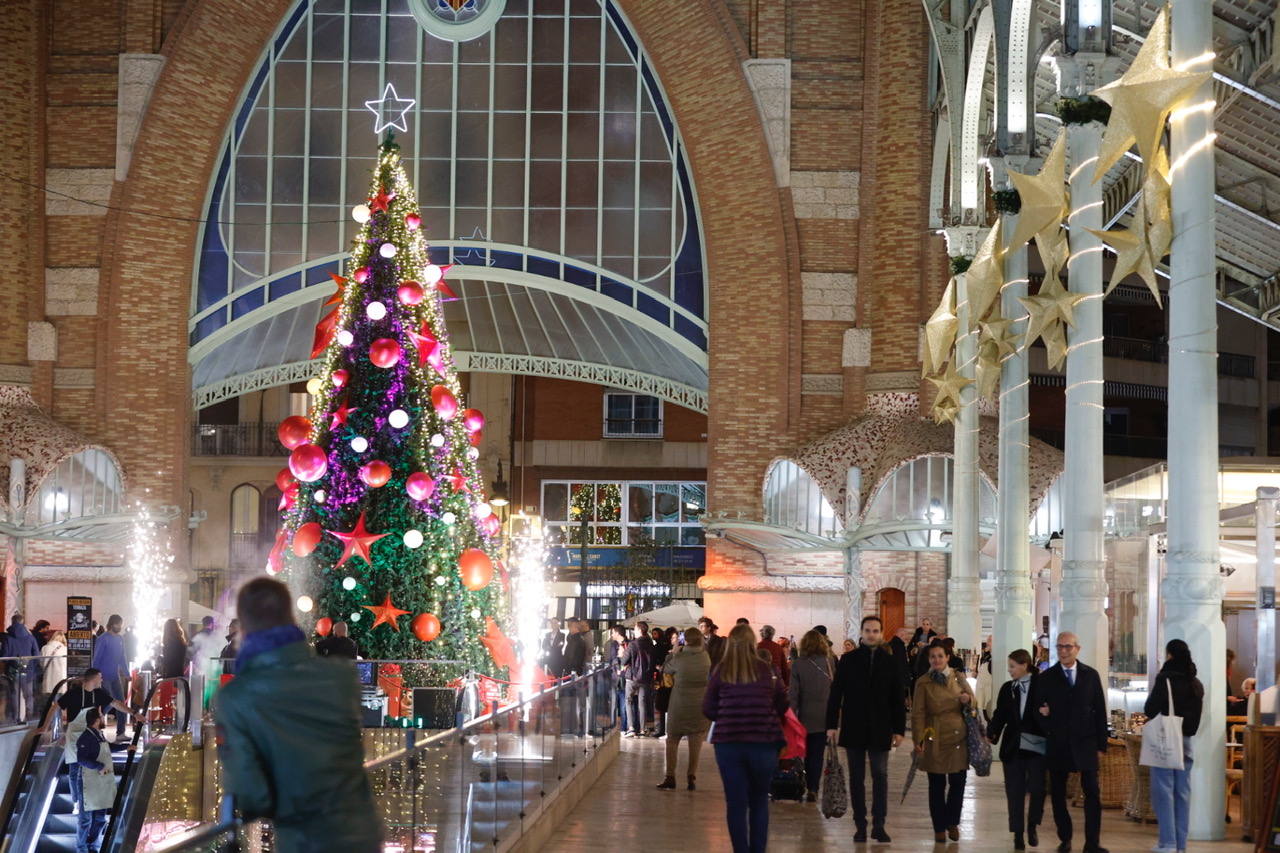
<point x="626" y="812"/>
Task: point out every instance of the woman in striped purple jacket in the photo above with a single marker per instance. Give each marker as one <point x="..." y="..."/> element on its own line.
<point x="745" y="701"/>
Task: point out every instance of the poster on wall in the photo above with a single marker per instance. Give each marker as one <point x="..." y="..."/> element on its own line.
<point x="79" y="625"/>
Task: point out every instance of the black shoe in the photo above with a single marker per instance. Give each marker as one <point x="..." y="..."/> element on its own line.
<point x="1064" y="846"/>
<point x="860" y="835"/>
<point x="880" y="835"/>
<point x="811" y="797"/>
<point x="1033" y="837"/>
<point x="1017" y="842"/>
<point x="1094" y="848"/>
<point x="667" y="784"/>
<point x="693" y="783"/>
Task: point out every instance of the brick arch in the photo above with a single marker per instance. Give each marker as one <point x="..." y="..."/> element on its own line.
<point x="143" y="379"/>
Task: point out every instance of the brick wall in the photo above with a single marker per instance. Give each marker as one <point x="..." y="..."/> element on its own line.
<point x="921" y="576"/>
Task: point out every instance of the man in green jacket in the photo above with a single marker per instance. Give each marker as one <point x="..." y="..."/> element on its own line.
<point x="289" y="733"/>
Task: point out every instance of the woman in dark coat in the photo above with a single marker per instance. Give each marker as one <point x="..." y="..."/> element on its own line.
<point x="1171" y="789"/>
<point x="173" y="650"/>
<point x="1022" y="751"/>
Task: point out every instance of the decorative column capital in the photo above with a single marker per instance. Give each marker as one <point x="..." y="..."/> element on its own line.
<point x="964" y="240"/>
<point x="1090" y="590"/>
<point x="1193" y="589"/>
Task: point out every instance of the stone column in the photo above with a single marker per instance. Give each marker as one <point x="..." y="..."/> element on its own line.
<point x="964" y="596"/>
<point x="1014" y="626"/>
<point x="1265" y="670"/>
<point x="1084" y="587"/>
<point x="853" y="589"/>
<point x="1192" y="590"/>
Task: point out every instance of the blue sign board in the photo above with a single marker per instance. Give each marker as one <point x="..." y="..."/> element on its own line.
<point x="615" y="556"/>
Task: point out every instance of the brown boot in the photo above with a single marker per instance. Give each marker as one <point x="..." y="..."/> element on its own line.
<point x="667" y="784"/>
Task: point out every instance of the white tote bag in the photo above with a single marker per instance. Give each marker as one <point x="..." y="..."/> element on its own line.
<point x="1162" y="739"/>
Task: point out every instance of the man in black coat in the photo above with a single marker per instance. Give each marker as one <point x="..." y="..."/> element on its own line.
<point x="867" y="705"/>
<point x="637" y="668"/>
<point x="1074" y="711"/>
<point x="553" y="649"/>
<point x="1023" y="748"/>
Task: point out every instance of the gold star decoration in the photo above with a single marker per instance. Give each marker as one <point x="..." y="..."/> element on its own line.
<point x="998" y="332"/>
<point x="945" y="411"/>
<point x="988" y="369"/>
<point x="1133" y="254"/>
<point x="940" y="332"/>
<point x="1054" y="251"/>
<point x="1142" y="99"/>
<point x="949" y="384"/>
<point x="1044" y="197"/>
<point x="1053" y="305"/>
<point x="985" y="276"/>
<point x="1055" y="345"/>
<point x="1156" y="207"/>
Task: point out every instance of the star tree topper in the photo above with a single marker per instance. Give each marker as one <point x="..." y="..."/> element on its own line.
<point x="390" y="110"/>
<point x="1142" y="99"/>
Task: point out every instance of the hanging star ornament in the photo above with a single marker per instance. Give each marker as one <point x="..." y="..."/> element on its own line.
<point x="1142" y="99"/>
<point x="357" y="542"/>
<point x="386" y="612"/>
<point x="949" y="384"/>
<point x="940" y="332"/>
<point x="390" y="110"/>
<point x="945" y="411"/>
<point x="988" y="370"/>
<point x="1156" y="206"/>
<point x="1044" y="197"/>
<point x="380" y="201"/>
<point x="985" y="276"/>
<point x="336" y="298"/>
<point x="424" y="342"/>
<point x="1052" y="306"/>
<point x="998" y="332"/>
<point x="1133" y="254"/>
<point x="340" y="415"/>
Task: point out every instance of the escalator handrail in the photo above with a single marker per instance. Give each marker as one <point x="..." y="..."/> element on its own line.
<point x="133" y="750"/>
<point x="28" y="753"/>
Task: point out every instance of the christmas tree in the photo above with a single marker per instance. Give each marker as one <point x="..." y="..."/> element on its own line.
<point x="386" y="525"/>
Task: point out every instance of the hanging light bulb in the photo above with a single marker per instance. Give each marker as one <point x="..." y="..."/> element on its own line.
<point x="320" y="496"/>
<point x="413" y="538"/>
<point x="398" y="419"/>
<point x="348" y="583"/>
<point x="359" y="444"/>
<point x="361" y="213"/>
<point x="388" y="250"/>
<point x="346" y="338"/>
<point x="375" y="310"/>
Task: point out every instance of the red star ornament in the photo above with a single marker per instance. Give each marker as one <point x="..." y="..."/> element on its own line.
<point x="386" y="612"/>
<point x="458" y="482"/>
<point x="379" y="201"/>
<point x="357" y="542"/>
<point x="424" y="342"/>
<point x="500" y="648"/>
<point x="340" y="415"/>
<point x="325" y="330"/>
<point x="337" y="294"/>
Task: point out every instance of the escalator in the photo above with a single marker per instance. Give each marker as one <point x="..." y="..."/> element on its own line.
<point x="38" y="809"/>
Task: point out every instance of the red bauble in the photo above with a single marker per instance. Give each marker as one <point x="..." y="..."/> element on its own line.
<point x="308" y="462"/>
<point x="275" y="559"/>
<point x="490" y="524"/>
<point x="384" y="352"/>
<point x="375" y="474"/>
<point x="412" y="221"/>
<point x="307" y="538"/>
<point x="445" y="403"/>
<point x="284" y="480"/>
<point x="293" y="431"/>
<point x="361" y="275"/>
<point x="288" y="498"/>
<point x="473" y="420"/>
<point x="340" y="377"/>
<point x="409" y="293"/>
<point x="476" y="437"/>
<point x="324" y="625"/>
<point x="426" y="627"/>
<point x="476" y="569"/>
<point x="420" y="486"/>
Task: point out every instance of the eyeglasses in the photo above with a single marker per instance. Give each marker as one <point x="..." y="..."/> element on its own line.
<point x="1061" y="646"/>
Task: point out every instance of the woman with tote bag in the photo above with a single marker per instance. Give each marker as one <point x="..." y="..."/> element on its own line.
<point x="1176" y="700"/>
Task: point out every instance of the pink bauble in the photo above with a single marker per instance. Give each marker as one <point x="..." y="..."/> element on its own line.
<point x="375" y="474"/>
<point x="446" y="405"/>
<point x="412" y="221"/>
<point x="340" y="378"/>
<point x="384" y="352"/>
<point x="420" y="486"/>
<point x="490" y="525"/>
<point x="473" y="420"/>
<point x="293" y="431"/>
<point x="409" y="292"/>
<point x="308" y="462"/>
<point x="361" y="275"/>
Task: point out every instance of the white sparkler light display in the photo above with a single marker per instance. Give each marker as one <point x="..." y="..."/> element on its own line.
<point x="149" y="564"/>
<point x="528" y="591"/>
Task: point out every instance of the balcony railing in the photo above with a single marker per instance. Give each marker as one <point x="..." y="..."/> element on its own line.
<point x="248" y="439"/>
<point x="633" y="427"/>
<point x="1157" y="352"/>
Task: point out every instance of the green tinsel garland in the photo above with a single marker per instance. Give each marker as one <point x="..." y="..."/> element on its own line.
<point x="960" y="264"/>
<point x="1007" y="201"/>
<point x="1083" y="110"/>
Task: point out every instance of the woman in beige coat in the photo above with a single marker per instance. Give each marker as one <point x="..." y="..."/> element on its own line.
<point x="938" y="729"/>
<point x="689" y="667"/>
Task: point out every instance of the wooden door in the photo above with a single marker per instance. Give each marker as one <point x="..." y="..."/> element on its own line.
<point x="893" y="604"/>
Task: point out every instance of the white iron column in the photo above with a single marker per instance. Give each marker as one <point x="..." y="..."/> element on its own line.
<point x="1014" y="626"/>
<point x="1084" y="586"/>
<point x="1192" y="589"/>
<point x="853" y="590"/>
<point x="1265" y="670"/>
<point x="964" y="596"/>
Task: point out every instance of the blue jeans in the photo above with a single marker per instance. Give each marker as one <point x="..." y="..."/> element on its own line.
<point x="1171" y="799"/>
<point x="90" y="827"/>
<point x="746" y="769"/>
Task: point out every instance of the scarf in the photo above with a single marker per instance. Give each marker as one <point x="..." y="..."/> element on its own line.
<point x="266" y="640"/>
<point x="939" y="677"/>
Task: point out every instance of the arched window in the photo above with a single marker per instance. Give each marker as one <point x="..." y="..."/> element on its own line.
<point x="83" y="485"/>
<point x="793" y="499"/>
<point x="246" y="502"/>
<point x="914" y="502"/>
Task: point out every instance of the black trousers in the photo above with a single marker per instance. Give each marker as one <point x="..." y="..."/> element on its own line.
<point x="879" y="760"/>
<point x="1023" y="776"/>
<point x="1092" y="805"/>
<point x="946" y="798"/>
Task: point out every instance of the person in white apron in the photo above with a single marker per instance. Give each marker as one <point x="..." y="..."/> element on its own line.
<point x="98" y="778"/>
<point x="77" y="701"/>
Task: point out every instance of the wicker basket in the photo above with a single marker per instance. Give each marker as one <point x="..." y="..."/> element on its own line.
<point x="1137" y="804"/>
<point x="1113" y="778"/>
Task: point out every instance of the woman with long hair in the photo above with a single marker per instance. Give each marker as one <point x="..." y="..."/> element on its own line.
<point x="745" y="701"/>
<point x="688" y="669"/>
<point x="173" y="650"/>
<point x="941" y="738"/>
<point x="1171" y="789"/>
<point x="808" y="693"/>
